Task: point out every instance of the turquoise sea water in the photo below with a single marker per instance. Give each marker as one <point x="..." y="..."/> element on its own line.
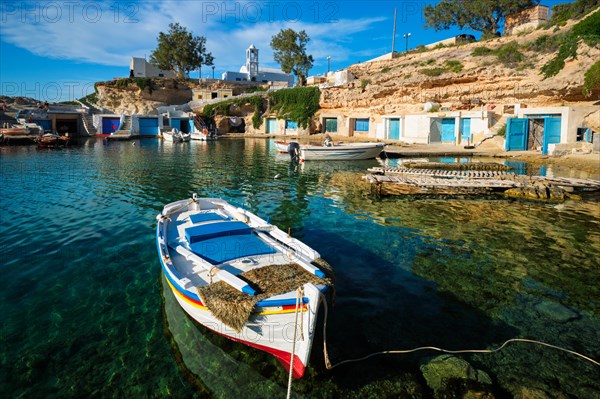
<point x="85" y="312"/>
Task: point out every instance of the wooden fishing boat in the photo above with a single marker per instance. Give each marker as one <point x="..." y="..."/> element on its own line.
<point x="340" y="152"/>
<point x="52" y="140"/>
<point x="242" y="277"/>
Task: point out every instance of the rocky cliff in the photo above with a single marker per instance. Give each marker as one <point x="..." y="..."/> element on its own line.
<point x="454" y="77"/>
<point x="143" y="95"/>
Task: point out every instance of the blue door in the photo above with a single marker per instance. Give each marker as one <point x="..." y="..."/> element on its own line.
<point x="110" y="125"/>
<point x="176" y="123"/>
<point x="149" y="126"/>
<point x="394" y="129"/>
<point x="448" y="130"/>
<point x="551" y="133"/>
<point x="271" y="125"/>
<point x="45" y="124"/>
<point x="516" y="134"/>
<point x="465" y="130"/>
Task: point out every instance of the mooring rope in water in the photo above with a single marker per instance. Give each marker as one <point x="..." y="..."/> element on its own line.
<point x="397" y="352"/>
<point x="299" y="296"/>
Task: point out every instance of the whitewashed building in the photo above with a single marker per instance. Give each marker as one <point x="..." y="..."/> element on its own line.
<point x="140" y="68"/>
<point x="251" y="72"/>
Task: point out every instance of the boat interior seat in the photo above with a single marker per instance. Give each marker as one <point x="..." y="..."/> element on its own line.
<point x="207" y="231"/>
<point x="206" y="217"/>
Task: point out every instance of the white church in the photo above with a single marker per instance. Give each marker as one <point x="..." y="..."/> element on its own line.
<point x="252" y="73"/>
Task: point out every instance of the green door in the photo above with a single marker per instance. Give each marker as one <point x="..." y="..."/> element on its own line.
<point x="331" y="125"/>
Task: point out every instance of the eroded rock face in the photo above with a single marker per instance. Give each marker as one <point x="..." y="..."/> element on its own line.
<point x="400" y="85"/>
<point x="133" y="97"/>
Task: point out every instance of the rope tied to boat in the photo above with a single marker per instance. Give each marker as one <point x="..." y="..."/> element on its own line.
<point x="329" y="366"/>
<point x="299" y="296"/>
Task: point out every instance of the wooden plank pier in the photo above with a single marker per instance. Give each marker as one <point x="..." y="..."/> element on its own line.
<point x="403" y="181"/>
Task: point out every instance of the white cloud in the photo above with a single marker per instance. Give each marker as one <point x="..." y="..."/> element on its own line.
<point x="101" y="33"/>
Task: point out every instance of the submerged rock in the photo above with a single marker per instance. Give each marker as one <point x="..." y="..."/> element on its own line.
<point x="442" y="372"/>
<point x="556" y="311"/>
<point x="538" y="191"/>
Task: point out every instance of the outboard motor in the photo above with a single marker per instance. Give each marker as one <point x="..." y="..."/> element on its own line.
<point x="294" y="150"/>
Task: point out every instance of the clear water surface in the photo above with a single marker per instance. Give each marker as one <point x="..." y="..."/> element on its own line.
<point x="85" y="312"/>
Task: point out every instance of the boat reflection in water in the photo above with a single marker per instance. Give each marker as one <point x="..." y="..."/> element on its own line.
<point x="207" y="364"/>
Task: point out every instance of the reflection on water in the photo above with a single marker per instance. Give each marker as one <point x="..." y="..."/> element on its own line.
<point x="82" y="306"/>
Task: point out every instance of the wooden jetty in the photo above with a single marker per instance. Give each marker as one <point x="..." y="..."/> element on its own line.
<point x="402" y="181"/>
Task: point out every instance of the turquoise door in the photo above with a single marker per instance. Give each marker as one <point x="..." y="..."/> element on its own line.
<point x="271" y="125"/>
<point x="516" y="134"/>
<point x="551" y="133"/>
<point x="331" y="125"/>
<point x="448" y="130"/>
<point x="465" y="130"/>
<point x="394" y="129"/>
<point x="148" y="126"/>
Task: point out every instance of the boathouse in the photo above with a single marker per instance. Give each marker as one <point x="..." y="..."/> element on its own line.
<point x="146" y="125"/>
<point x="179" y="120"/>
<point x="273" y="125"/>
<point x="543" y="128"/>
<point x="107" y="124"/>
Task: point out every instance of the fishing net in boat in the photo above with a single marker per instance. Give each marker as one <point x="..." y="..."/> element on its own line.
<point x="233" y="308"/>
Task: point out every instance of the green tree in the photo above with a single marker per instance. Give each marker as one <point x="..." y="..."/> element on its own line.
<point x="481" y="15"/>
<point x="290" y="52"/>
<point x="179" y="51"/>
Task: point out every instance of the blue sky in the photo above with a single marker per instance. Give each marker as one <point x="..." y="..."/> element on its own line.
<point x="56" y="50"/>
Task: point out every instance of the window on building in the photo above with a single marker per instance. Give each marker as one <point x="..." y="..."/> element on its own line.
<point x="361" y="125"/>
<point x="290" y="124"/>
<point x="213" y="95"/>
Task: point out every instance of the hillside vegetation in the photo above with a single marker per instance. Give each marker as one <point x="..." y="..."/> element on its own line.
<point x="552" y="65"/>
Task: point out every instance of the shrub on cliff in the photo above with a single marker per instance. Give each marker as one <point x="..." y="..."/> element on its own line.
<point x="591" y="80"/>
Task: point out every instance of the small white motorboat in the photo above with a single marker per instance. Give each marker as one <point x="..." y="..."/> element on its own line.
<point x="340" y="152"/>
<point x="282" y="146"/>
<point x="242" y="277"/>
<point x="185" y="137"/>
<point x="172" y="135"/>
<point x="204" y="135"/>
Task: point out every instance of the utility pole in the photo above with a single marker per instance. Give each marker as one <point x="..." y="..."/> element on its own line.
<point x="394" y="34"/>
<point x="213" y="68"/>
<point x="328" y="63"/>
